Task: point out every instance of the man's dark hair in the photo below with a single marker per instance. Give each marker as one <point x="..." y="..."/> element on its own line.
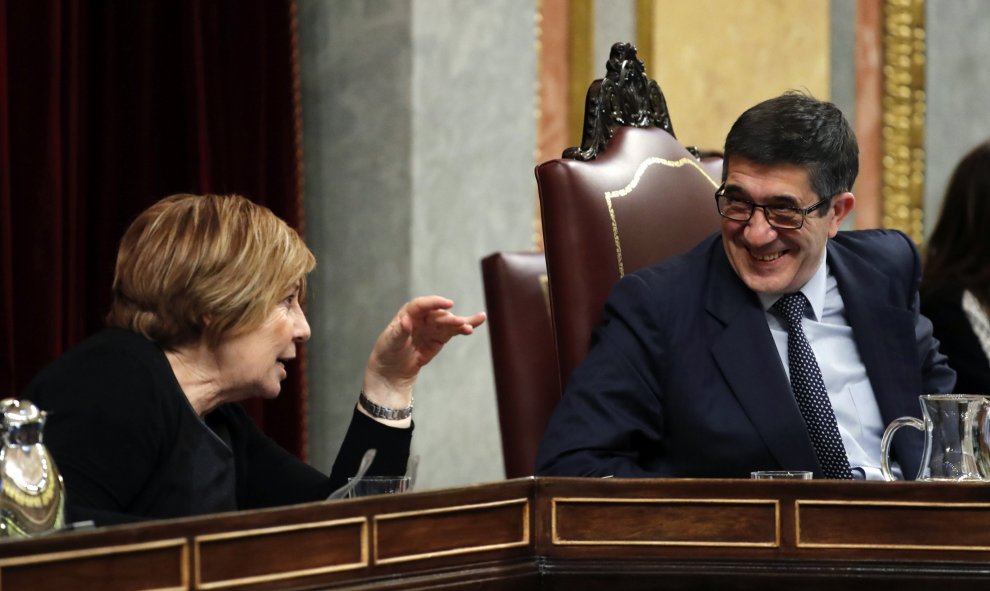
<point x="795" y="128"/>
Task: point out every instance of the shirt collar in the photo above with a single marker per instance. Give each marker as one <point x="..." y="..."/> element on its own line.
<point x="814" y="290"/>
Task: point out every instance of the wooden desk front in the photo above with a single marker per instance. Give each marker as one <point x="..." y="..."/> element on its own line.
<point x="547" y="533"/>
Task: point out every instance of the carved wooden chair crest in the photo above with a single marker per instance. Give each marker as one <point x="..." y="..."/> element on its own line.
<point x="624" y="97"/>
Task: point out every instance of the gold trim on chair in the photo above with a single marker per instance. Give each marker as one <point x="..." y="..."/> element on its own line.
<point x="545" y="288"/>
<point x="637" y="176"/>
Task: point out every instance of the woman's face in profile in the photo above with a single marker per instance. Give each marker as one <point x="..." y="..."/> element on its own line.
<point x="253" y="363"/>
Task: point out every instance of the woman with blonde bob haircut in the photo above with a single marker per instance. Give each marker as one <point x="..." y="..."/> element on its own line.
<point x="206" y="312"/>
<point x="167" y="284"/>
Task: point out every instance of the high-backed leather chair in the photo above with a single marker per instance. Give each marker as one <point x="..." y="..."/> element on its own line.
<point x="629" y="196"/>
<point x="523" y="359"/>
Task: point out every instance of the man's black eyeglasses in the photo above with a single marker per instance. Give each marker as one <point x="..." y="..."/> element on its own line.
<point x="780" y="217"/>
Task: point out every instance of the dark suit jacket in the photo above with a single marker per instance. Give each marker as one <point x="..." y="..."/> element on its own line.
<point x="683" y="378"/>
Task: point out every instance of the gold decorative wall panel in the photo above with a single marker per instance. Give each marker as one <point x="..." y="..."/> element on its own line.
<point x="716" y="58"/>
<point x="580" y="49"/>
<point x="904" y="117"/>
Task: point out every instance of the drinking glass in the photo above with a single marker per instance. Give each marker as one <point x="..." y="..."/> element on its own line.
<point x="379" y="485"/>
<point x="781" y="475"/>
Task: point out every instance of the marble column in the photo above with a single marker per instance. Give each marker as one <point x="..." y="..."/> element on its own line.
<point x="418" y="126"/>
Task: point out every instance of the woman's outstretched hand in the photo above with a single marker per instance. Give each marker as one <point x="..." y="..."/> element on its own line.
<point x="412" y="339"/>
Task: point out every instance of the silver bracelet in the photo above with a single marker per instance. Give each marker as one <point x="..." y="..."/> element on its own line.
<point x="383" y="412"/>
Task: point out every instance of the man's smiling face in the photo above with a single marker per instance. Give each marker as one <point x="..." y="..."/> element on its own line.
<point x="771" y="260"/>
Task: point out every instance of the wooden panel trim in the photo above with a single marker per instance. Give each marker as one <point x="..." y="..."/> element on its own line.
<point x="557" y="540"/>
<point x="481" y="546"/>
<point x="200" y="541"/>
<point x="802" y="536"/>
<point x="71" y="555"/>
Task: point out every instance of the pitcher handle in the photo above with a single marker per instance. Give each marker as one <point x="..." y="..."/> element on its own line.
<point x="888" y="436"/>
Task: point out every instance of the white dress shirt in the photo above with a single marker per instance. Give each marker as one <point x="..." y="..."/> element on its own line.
<point x="849" y="389"/>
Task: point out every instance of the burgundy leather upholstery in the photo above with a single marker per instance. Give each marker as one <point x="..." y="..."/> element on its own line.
<point x="525" y="366"/>
<point x="643" y="199"/>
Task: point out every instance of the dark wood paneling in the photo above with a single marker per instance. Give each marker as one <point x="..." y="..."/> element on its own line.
<point x="695" y="522"/>
<point x="894" y="525"/>
<point x="460" y="529"/>
<point x="282" y="552"/>
<point x="160" y="564"/>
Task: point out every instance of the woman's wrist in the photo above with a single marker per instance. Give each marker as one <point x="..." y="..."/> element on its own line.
<point x="386" y="396"/>
<point x="379" y="411"/>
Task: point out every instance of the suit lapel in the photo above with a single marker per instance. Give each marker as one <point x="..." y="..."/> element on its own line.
<point x="749" y="361"/>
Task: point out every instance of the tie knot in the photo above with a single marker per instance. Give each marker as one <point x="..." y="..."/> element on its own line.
<point x="791" y="307"/>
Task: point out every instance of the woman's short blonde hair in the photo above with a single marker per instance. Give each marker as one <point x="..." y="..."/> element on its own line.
<point x="209" y="266"/>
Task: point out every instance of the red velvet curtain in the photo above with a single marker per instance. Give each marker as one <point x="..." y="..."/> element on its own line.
<point x="107" y="106"/>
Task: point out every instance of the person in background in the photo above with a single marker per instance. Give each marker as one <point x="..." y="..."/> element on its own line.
<point x="206" y="311"/>
<point x="955" y="288"/>
<point x="778" y="344"/>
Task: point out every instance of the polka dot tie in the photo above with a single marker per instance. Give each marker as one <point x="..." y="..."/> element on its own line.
<point x="809" y="390"/>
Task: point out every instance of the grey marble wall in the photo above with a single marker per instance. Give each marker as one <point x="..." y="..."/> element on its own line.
<point x="842" y="58"/>
<point x="957" y="80"/>
<point x="474" y="118"/>
<point x="842" y="61"/>
<point x="356" y="92"/>
<point x="419" y="135"/>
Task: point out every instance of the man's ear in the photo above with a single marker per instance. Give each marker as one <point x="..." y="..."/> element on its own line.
<point x="842" y="204"/>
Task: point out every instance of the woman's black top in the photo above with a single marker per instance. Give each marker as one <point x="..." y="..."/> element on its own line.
<point x="957" y="340"/>
<point x="130" y="446"/>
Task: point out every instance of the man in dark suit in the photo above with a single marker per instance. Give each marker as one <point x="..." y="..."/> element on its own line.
<point x="691" y="371"/>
